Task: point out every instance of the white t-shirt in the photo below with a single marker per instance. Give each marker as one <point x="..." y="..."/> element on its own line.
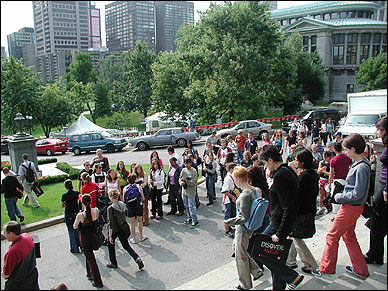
<point x="23" y="171"/>
<point x="228" y="186"/>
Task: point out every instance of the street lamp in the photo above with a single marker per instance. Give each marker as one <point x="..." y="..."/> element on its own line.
<point x="64" y="128"/>
<point x="29" y="118"/>
<point x="19" y="119"/>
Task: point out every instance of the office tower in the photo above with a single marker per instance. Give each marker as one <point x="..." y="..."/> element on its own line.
<point x="64" y="25"/>
<point x="129" y="21"/>
<point x="18" y="40"/>
<point x="95" y="26"/>
<point x="170" y="15"/>
<point x="29" y="54"/>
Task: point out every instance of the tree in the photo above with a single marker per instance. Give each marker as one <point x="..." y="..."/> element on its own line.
<point x="134" y="87"/>
<point x="80" y="83"/>
<point x="373" y="73"/>
<point x="19" y="91"/>
<point x="110" y="70"/>
<point x="103" y="100"/>
<point x="54" y="108"/>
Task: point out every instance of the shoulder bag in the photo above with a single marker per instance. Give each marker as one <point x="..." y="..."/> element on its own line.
<point x="97" y="237"/>
<point x="123" y="228"/>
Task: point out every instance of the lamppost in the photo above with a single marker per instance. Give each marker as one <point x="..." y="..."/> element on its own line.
<point x="29" y="118"/>
<point x="64" y="128"/>
<point x="19" y="119"/>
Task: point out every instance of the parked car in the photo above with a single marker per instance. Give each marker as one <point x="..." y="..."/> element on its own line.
<point x="92" y="141"/>
<point x="318" y="114"/>
<point x="4" y="145"/>
<point x="258" y="128"/>
<point x="166" y="136"/>
<point x="50" y="146"/>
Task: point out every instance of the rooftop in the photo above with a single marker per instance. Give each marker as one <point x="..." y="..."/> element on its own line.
<point x="322" y="6"/>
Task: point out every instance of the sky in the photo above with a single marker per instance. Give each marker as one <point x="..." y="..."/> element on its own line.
<point x="18" y="14"/>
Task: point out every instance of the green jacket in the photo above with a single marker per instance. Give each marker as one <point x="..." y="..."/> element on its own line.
<point x="191" y="182"/>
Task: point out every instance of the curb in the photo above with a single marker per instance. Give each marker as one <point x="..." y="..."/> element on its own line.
<point x="59" y="219"/>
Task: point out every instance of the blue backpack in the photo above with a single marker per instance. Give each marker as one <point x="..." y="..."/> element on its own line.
<point x="132" y="196"/>
<point x="258" y="209"/>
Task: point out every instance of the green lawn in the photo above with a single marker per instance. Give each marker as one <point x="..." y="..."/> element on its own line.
<point x="50" y="203"/>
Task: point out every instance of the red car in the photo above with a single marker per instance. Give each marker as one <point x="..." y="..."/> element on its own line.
<point x="50" y="146"/>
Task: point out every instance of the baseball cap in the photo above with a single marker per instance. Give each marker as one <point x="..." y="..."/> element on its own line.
<point x="338" y="133"/>
<point x="239" y="131"/>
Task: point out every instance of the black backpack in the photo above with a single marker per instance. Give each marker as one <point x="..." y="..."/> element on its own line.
<point x="30" y="175"/>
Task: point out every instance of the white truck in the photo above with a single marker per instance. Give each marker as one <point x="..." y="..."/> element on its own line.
<point x="364" y="109"/>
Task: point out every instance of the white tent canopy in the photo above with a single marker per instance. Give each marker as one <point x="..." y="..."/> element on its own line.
<point x="80" y="126"/>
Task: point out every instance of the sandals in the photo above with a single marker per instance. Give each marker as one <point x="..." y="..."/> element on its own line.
<point x="144" y="238"/>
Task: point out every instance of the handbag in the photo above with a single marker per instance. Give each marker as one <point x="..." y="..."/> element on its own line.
<point x="124" y="228"/>
<point x="37" y="190"/>
<point x="97" y="238"/>
<point x="265" y="249"/>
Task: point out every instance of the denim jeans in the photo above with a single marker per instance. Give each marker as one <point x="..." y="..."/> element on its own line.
<point x="74" y="237"/>
<point x="240" y="156"/>
<point x="175" y="198"/>
<point x="190" y="207"/>
<point x="211" y="187"/>
<point x="281" y="273"/>
<point x="12" y="208"/>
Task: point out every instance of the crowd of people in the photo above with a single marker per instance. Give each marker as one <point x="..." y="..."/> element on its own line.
<point x="338" y="177"/>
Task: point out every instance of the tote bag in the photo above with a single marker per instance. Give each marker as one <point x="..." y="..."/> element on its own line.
<point x="265" y="249"/>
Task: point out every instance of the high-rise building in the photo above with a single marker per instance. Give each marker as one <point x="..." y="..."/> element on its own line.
<point x="3" y="54"/>
<point x="170" y="15"/>
<point x="18" y="40"/>
<point x="65" y="25"/>
<point x="129" y="21"/>
<point x="95" y="26"/>
<point x="29" y="54"/>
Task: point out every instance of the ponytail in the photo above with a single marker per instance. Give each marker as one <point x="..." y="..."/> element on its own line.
<point x="86" y="200"/>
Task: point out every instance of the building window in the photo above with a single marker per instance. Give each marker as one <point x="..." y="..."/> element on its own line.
<point x="351" y="55"/>
<point x="376" y="38"/>
<point x="350" y="72"/>
<point x="337" y="72"/>
<point x="339" y="38"/>
<point x="375" y="50"/>
<point x="352" y="38"/>
<point x="338" y="55"/>
<point x="334" y="15"/>
<point x="365" y="38"/>
<point x="342" y="14"/>
<point x="326" y="16"/>
<point x="349" y="88"/>
<point x="364" y="53"/>
<point x="351" y="14"/>
<point x="313" y="43"/>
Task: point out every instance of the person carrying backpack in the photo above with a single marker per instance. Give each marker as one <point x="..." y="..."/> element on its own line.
<point x="246" y="265"/>
<point x="134" y="197"/>
<point x="28" y="175"/>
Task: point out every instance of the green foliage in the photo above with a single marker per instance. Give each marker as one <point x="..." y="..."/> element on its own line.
<point x="19" y="90"/>
<point x="47" y="161"/>
<point x="56" y="108"/>
<point x="82" y="70"/>
<point x="110" y="70"/>
<point x="133" y="90"/>
<point x="53" y="179"/>
<point x="79" y="95"/>
<point x="63" y="166"/>
<point x="103" y="100"/>
<point x="373" y="73"/>
<point x="124" y="119"/>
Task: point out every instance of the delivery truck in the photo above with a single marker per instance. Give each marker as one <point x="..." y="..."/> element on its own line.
<point x="364" y="109"/>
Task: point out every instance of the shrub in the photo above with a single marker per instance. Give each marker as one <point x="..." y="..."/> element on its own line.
<point x="73" y="173"/>
<point x="63" y="166"/>
<point x="53" y="179"/>
<point x="47" y="161"/>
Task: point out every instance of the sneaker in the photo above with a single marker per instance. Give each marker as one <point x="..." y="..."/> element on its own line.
<point x="144" y="238"/>
<point x="194" y="224"/>
<point x="112" y="266"/>
<point x="21" y="218"/>
<point x="259" y="276"/>
<point x="307" y="271"/>
<point x="180" y="213"/>
<point x="226" y="234"/>
<point x="209" y="203"/>
<point x="97" y="286"/>
<point x="140" y="263"/>
<point x="320" y="212"/>
<point x="318" y="273"/>
<point x="295" y="283"/>
<point x="159" y="217"/>
<point x="327" y="204"/>
<point x="231" y="235"/>
<point x="187" y="221"/>
<point x="350" y="270"/>
<point x="293" y="266"/>
<point x="132" y="240"/>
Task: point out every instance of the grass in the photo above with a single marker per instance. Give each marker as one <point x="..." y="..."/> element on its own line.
<point x="50" y="203"/>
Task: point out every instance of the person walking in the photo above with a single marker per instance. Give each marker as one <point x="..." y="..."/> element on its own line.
<point x="100" y="159"/>
<point x="174" y="189"/>
<point x="19" y="269"/>
<point x="188" y="180"/>
<point x="86" y="221"/>
<point x="378" y="219"/>
<point x="229" y="198"/>
<point x="70" y="202"/>
<point x="305" y="221"/>
<point x="116" y="220"/>
<point x="141" y="179"/>
<point x="284" y="210"/>
<point x="240" y="140"/>
<point x="157" y="177"/>
<point x="28" y="176"/>
<point x="11" y="188"/>
<point x="353" y="198"/>
<point x="244" y="262"/>
<point x="133" y="198"/>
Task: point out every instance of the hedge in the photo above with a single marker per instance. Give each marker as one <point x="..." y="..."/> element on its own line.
<point x="65" y="167"/>
<point x="47" y="161"/>
<point x="53" y="179"/>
